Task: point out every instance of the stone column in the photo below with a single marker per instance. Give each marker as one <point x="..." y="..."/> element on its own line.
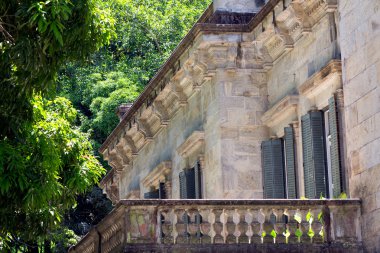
<point x="299" y="161"/>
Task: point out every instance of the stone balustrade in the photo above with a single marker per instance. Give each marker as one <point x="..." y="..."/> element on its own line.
<point x="190" y="222"/>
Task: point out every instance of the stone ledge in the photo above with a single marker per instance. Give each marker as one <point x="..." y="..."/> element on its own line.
<point x="259" y="248"/>
<point x="158" y="174"/>
<point x="329" y="76"/>
<point x="285" y="108"/>
<point x="240" y="202"/>
<point x="194" y="143"/>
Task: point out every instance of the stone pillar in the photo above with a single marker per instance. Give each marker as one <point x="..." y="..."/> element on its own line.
<point x="300" y="175"/>
<point x="242" y="103"/>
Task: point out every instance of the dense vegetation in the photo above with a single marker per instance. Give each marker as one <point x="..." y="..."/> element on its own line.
<point x="49" y="48"/>
<point x="147" y="33"/>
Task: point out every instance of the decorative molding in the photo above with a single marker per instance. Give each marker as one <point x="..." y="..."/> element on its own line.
<point x="194" y="143"/>
<point x="285" y="108"/>
<point x="159" y="174"/>
<point x="329" y="77"/>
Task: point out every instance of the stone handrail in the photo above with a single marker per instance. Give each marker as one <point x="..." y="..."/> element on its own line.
<point x="224" y="221"/>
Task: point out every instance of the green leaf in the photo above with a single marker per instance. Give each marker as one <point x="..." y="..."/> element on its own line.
<point x="343" y="195"/>
<point x="273" y="233"/>
<point x="320" y="216"/>
<point x="309" y="217"/>
<point x="310" y="233"/>
<point x="298" y="233"/>
<point x="56" y="32"/>
<point x="321" y="233"/>
<point x="297" y="217"/>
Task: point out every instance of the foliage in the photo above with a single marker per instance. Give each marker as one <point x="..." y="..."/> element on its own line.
<point x="91" y="209"/>
<point x="36" y="38"/>
<point x="41" y="174"/>
<point x="147" y="33"/>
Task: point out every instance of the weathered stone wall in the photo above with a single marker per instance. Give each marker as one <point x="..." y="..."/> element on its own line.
<point x="313" y="51"/>
<point x="242" y="101"/>
<point x="199" y="114"/>
<point x="310" y="54"/>
<point x="360" y="45"/>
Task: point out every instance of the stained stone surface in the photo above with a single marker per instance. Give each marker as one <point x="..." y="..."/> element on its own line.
<point x="360" y="42"/>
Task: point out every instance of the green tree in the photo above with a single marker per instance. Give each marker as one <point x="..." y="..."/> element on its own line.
<point x="36" y="38"/>
<point x="41" y="175"/>
<point x="147" y="33"/>
<point x="44" y="160"/>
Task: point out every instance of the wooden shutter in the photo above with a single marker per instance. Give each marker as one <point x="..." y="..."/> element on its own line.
<point x="336" y="171"/>
<point x="182" y="185"/>
<point x="273" y="169"/>
<point x="152" y="195"/>
<point x="314" y="156"/>
<point x="187" y="183"/>
<point x="190" y="183"/>
<point x="198" y="181"/>
<point x="161" y="191"/>
<point x="290" y="162"/>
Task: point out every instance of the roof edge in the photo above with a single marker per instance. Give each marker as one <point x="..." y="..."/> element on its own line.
<point x="200" y="26"/>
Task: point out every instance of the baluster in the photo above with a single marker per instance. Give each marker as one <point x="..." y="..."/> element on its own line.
<point x="159" y="227"/>
<point x="236" y="220"/>
<point x="248" y="219"/>
<point x="280" y="225"/>
<point x="174" y="220"/>
<point x="223" y="220"/>
<point x="166" y="226"/>
<point x="193" y="225"/>
<point x="274" y="231"/>
<point x="287" y="232"/>
<point x="305" y="226"/>
<point x="261" y="220"/>
<point x="186" y="219"/>
<point x="211" y="220"/>
<point x="204" y="224"/>
<point x="317" y="226"/>
<point x="298" y="218"/>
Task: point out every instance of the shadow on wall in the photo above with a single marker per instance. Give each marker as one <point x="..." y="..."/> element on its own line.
<point x="259" y="3"/>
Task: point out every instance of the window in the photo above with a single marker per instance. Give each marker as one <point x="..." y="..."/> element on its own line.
<point x="158" y="181"/>
<point x="190" y="182"/>
<point x="279" y="166"/>
<point x="321" y="158"/>
<point x="156" y="193"/>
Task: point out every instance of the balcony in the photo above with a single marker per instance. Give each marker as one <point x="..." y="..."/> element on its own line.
<point x="227" y="226"/>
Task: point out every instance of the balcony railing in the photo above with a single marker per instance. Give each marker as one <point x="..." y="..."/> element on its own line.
<point x="191" y="222"/>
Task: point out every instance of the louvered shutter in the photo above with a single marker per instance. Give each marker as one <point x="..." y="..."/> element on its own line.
<point x="161" y="191"/>
<point x="198" y="181"/>
<point x="182" y="185"/>
<point x="336" y="171"/>
<point x="290" y="162"/>
<point x="152" y="195"/>
<point x="314" y="156"/>
<point x="273" y="169"/>
<point x="190" y="183"/>
<point x="187" y="183"/>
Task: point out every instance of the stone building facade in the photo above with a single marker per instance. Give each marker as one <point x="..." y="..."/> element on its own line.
<point x="274" y="99"/>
